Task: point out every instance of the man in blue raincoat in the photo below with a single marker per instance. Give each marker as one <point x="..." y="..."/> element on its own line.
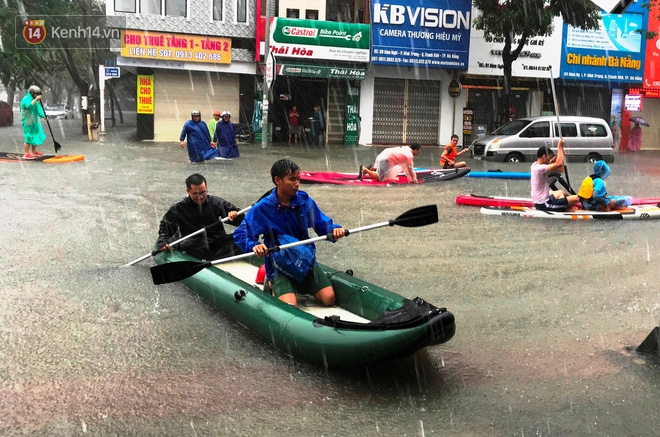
<point x="200" y="147"/>
<point x="282" y="217"/>
<point x="225" y="137"/>
<point x="31" y="111"/>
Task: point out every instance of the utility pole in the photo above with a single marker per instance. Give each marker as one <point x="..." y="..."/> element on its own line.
<point x="266" y="88"/>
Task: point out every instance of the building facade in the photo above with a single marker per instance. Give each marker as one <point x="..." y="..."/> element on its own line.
<point x="197" y="54"/>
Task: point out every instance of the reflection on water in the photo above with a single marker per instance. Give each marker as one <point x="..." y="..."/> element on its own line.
<point x="548" y="313"/>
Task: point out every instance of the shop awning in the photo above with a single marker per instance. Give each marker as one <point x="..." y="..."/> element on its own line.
<point x="321" y="71"/>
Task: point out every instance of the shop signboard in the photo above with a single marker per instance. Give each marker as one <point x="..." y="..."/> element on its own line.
<point x="352" y="121"/>
<point x="468" y="118"/>
<point x="421" y="33"/>
<point x="321" y="71"/>
<point x="535" y="59"/>
<point x="175" y="47"/>
<point x="633" y="102"/>
<point x="652" y="64"/>
<point x="311" y="39"/>
<point x="145" y="94"/>
<point x="613" y="52"/>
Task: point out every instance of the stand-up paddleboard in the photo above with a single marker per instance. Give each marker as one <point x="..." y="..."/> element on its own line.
<point x="499" y="174"/>
<point x="51" y="159"/>
<point x="476" y="200"/>
<point x="641" y="212"/>
<point x="423" y="176"/>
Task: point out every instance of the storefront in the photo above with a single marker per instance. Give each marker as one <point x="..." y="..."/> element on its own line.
<point x="318" y="63"/>
<point x="184" y="72"/>
<point x="404" y="97"/>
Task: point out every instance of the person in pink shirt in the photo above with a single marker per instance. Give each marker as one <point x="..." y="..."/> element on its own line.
<point x="543" y="198"/>
<point x="391" y="161"/>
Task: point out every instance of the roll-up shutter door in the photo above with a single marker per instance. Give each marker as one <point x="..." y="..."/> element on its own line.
<point x="178" y="92"/>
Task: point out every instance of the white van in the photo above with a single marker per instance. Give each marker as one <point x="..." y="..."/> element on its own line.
<point x="586" y="139"/>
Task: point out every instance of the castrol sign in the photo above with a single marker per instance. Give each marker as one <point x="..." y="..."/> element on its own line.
<point x="302" y="32"/>
<point x="311" y="39"/>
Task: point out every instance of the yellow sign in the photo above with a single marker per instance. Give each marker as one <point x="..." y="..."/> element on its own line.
<point x="145" y="94"/>
<point x="175" y="47"/>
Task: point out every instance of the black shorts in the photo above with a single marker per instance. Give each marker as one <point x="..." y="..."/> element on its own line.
<point x="447" y="165"/>
<point x="553" y="204"/>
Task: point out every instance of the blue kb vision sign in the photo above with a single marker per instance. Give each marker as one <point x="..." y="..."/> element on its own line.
<point x="421" y="32"/>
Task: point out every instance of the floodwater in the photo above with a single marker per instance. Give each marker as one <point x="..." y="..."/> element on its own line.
<point x="548" y="313"/>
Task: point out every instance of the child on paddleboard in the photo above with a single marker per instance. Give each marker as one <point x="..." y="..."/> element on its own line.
<point x="593" y="191"/>
<point x="283" y="217"/>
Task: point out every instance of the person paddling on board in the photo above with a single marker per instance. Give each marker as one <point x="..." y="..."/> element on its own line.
<point x="543" y="198"/>
<point x="194" y="212"/>
<point x="390" y="161"/>
<point x="31" y="111"/>
<point x="283" y="217"/>
<point x="448" y="158"/>
<point x="200" y="147"/>
<point x="593" y="191"/>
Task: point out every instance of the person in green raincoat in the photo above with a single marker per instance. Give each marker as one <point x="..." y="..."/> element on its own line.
<point x="31" y="110"/>
<point x="216" y="118"/>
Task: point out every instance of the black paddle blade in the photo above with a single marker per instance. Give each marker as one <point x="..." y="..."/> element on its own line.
<point x="420" y="216"/>
<point x="57" y="146"/>
<point x="176" y="271"/>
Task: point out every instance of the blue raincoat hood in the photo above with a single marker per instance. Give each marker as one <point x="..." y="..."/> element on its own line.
<point x="601" y="169"/>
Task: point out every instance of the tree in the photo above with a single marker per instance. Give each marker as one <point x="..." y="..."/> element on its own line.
<point x="507" y="20"/>
<point x="20" y="68"/>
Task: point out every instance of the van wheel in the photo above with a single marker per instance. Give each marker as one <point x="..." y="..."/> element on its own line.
<point x="593" y="157"/>
<point x="514" y="157"/>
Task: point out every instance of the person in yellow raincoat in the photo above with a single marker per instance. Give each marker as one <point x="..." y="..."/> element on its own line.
<point x="212" y="123"/>
<point x="31" y="111"/>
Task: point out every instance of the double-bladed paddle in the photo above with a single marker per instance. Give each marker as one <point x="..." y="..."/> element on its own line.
<point x="55" y="143"/>
<point x="177" y="271"/>
<point x="207" y="228"/>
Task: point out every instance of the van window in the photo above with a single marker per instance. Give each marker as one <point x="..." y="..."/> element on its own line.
<point x="593" y="130"/>
<point x="567" y="130"/>
<point x="537" y="130"/>
<point x="512" y="128"/>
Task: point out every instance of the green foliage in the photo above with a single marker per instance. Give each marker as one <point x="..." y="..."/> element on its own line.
<point x="532" y="17"/>
<point x="20" y="68"/>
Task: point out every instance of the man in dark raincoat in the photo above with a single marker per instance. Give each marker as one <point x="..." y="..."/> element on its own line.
<point x="225" y="137"/>
<point x="31" y="111"/>
<point x="196" y="211"/>
<point x="200" y="147"/>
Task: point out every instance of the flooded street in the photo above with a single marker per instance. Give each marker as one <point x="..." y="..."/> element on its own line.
<point x="548" y="313"/>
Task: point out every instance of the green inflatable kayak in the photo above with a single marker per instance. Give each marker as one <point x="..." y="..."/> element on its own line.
<point x="368" y="324"/>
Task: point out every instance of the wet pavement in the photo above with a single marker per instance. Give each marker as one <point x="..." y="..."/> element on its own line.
<point x="548" y="313"/>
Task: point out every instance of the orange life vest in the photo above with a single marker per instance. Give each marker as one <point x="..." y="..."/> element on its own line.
<point x="451" y="154"/>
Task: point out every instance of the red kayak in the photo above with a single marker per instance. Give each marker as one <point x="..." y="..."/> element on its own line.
<point x="476" y="200"/>
<point x="423" y="176"/>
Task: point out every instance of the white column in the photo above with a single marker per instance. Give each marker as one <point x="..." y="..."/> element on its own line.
<point x="102" y="98"/>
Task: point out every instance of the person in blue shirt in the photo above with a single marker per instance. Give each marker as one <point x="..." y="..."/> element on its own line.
<point x="225" y="137"/>
<point x="200" y="147"/>
<point x="291" y="212"/>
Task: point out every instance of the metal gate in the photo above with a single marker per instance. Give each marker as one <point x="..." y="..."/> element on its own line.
<point x="406" y="111"/>
<point x="423" y="112"/>
<point x="389" y="107"/>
